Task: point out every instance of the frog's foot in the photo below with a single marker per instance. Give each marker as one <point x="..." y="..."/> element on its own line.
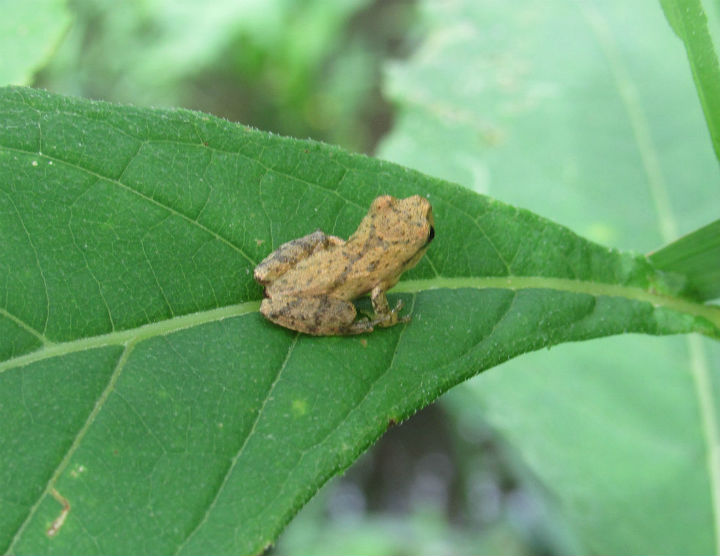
<point x="391" y="317"/>
<point x="384" y="316"/>
<point x="384" y="319"/>
<point x="361" y="326"/>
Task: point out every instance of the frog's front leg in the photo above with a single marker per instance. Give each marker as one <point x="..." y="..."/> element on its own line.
<point x="318" y="316"/>
<point x="384" y="315"/>
<point x="289" y="254"/>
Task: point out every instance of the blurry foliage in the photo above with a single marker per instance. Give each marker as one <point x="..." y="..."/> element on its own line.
<point x="301" y="68"/>
<point x="29" y="33"/>
<point x="442" y="482"/>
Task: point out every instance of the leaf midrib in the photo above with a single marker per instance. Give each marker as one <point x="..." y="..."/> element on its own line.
<point x="169" y="326"/>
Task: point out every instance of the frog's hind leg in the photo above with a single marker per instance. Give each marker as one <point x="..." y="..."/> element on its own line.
<point x="289" y="254"/>
<point x="384" y="315"/>
<point x="318" y="316"/>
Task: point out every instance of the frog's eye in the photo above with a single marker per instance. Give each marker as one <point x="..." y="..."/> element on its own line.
<point x="431" y="235"/>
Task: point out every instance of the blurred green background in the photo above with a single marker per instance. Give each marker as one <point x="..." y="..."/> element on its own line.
<point x="302" y="68"/>
<point x="546" y="105"/>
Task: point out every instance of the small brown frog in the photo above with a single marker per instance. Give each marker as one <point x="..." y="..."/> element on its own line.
<point x="311" y="281"/>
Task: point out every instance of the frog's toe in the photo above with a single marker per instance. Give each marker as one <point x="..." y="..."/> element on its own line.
<point x="392" y="317"/>
<point x="360" y="326"/>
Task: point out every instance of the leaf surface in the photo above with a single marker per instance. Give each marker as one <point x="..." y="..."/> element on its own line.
<point x="152" y="409"/>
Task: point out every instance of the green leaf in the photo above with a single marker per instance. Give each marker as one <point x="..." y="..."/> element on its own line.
<point x="587" y="113"/>
<point x="150" y="408"/>
<point x="700" y="33"/>
<point x="696" y="259"/>
<point x="29" y="32"/>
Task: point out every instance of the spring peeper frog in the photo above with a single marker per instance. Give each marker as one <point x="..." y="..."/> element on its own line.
<point x="311" y="281"/>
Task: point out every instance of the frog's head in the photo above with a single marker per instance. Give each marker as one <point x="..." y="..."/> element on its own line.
<point x="405" y="224"/>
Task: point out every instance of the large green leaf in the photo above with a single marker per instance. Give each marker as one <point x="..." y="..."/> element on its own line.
<point x="149" y="408"/>
<point x="586" y="112"/>
<point x="697" y="23"/>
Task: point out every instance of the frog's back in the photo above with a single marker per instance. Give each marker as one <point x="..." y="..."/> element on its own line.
<point x="319" y="274"/>
<point x="337" y="272"/>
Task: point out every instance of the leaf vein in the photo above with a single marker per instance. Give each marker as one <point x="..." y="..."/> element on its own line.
<point x="152" y="268"/>
<point x="237" y="456"/>
<point x="147" y="198"/>
<point x="340" y="422"/>
<point x="85" y="260"/>
<point x="37" y="263"/>
<point x="25" y="326"/>
<point x="74" y="445"/>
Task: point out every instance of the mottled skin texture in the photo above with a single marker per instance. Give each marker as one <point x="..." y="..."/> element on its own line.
<point x="310" y="282"/>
